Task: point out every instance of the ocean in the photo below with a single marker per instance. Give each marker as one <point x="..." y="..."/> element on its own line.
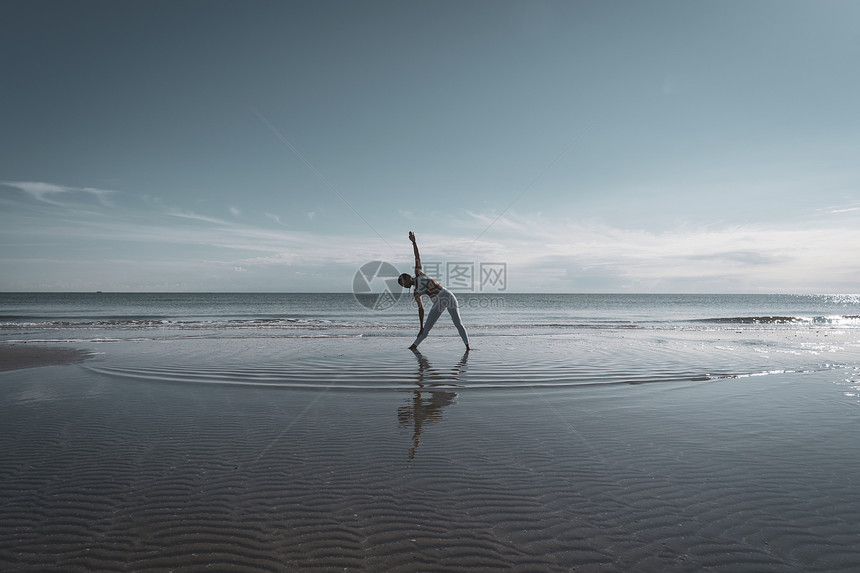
<point x="172" y="314"/>
<point x="297" y="432"/>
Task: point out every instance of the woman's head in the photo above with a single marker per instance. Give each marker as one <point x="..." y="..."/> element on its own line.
<point x="405" y="280"/>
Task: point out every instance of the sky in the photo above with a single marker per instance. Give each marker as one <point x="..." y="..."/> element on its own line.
<point x="590" y="146"/>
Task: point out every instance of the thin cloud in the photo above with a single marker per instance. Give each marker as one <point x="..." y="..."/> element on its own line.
<point x="185" y="214"/>
<point x="847" y="207"/>
<point x="48" y="192"/>
<point x="732" y="257"/>
<point x="275" y="218"/>
<point x="543" y="253"/>
<point x="743" y="257"/>
<point x="233" y="242"/>
<point x="195" y="216"/>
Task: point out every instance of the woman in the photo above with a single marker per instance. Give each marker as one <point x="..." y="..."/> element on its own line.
<point x="442" y="299"/>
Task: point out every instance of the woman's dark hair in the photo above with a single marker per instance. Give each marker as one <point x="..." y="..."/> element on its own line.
<point x="401" y="280"/>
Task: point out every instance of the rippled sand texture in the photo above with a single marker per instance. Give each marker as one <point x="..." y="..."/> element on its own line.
<point x="102" y="470"/>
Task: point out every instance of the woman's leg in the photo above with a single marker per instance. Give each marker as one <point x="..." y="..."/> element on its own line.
<point x="454" y="311"/>
<point x="430" y="320"/>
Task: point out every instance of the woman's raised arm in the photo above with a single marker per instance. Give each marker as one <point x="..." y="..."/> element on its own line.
<point x="417" y="256"/>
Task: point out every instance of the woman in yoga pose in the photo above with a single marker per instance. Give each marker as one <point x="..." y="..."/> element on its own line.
<point x="442" y="298"/>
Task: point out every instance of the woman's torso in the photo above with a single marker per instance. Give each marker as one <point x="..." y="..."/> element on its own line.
<point x="427" y="285"/>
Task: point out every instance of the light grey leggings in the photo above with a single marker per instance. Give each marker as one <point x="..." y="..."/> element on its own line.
<point x="444" y="300"/>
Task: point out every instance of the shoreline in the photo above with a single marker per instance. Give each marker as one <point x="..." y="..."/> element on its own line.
<point x="20" y="357"/>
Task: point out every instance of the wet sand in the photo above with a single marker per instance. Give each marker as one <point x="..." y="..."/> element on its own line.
<point x="113" y="465"/>
<point x="14" y="357"/>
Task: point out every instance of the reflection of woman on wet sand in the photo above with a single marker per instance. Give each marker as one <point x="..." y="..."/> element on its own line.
<point x="443" y="299"/>
<point x="428" y="409"/>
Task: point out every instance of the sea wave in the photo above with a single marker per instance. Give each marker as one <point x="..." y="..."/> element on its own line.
<point x="833" y="320"/>
<point x="350" y="325"/>
<point x="171" y="323"/>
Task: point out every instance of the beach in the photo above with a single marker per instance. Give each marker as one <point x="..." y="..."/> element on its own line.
<point x="580" y="451"/>
<point x="18" y="356"/>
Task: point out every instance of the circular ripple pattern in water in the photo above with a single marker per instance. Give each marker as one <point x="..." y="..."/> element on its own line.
<point x="497" y="363"/>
